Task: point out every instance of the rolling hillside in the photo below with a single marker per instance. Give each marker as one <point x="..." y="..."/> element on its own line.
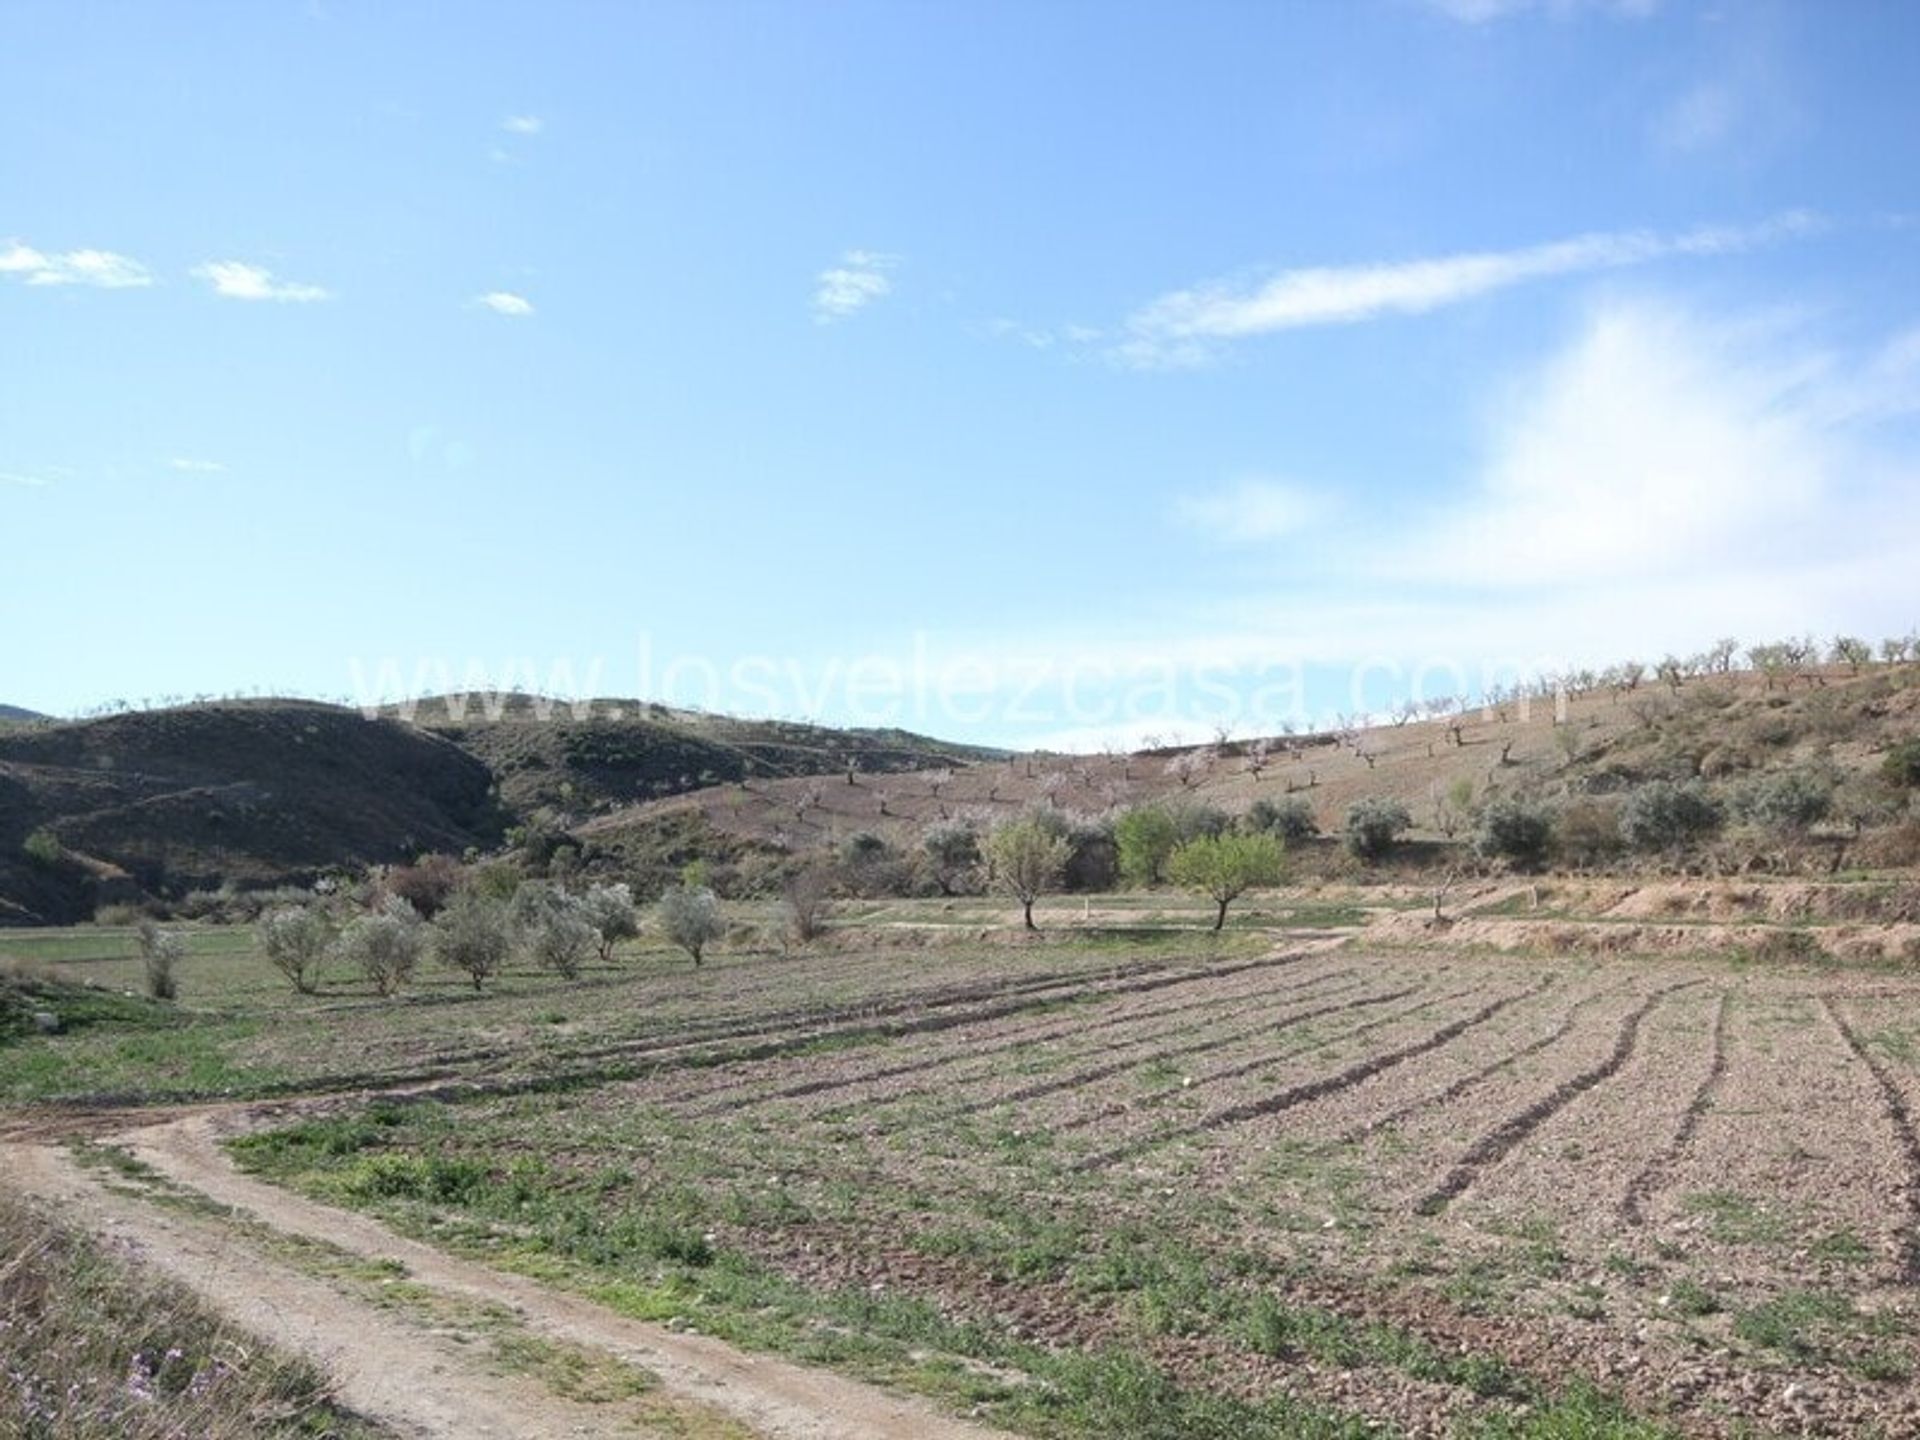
<point x="266" y="792"/>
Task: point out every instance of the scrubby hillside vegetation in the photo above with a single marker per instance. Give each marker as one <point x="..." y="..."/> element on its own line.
<point x="250" y="795"/>
<point x="1798" y="764"/>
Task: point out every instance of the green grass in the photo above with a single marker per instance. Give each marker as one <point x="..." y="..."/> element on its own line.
<point x="662" y="1241"/>
<point x="96" y="1348"/>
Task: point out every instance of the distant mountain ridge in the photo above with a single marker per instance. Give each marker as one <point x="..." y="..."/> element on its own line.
<point x="16" y="712"/>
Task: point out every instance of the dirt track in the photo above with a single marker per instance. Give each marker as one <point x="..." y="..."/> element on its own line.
<point x="384" y="1367"/>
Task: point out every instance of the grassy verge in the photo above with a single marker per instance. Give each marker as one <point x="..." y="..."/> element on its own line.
<point x="94" y="1347"/>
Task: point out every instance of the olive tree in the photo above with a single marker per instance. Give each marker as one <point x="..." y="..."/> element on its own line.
<point x="295" y="939"/>
<point x="160" y="952"/>
<point x="1224" y="867"/>
<point x="563" y="939"/>
<point x="690" y="917"/>
<point x="384" y="946"/>
<point x="474" y="934"/>
<point x="610" y="910"/>
<point x="1027" y="861"/>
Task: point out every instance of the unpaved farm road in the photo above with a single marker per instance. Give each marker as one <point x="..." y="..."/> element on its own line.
<point x="382" y="1365"/>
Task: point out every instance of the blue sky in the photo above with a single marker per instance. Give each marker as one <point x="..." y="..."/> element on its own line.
<point x="1029" y="372"/>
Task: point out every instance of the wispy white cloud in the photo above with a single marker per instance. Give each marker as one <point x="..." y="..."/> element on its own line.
<point x="188" y="465"/>
<point x="103" y="269"/>
<point x="523" y="124"/>
<point x="237" y="280"/>
<point x="1481" y="12"/>
<point x="504" y="302"/>
<point x="861" y="277"/>
<point x="1185" y="326"/>
<point x="15" y="477"/>
<point x="1253" y="509"/>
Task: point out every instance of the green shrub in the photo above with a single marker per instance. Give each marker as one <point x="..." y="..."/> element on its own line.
<point x="1290" y="819"/>
<point x="1374" y="825"/>
<point x="41" y="848"/>
<point x="1788" y="801"/>
<point x="1667" y="814"/>
<point x="1901" y="768"/>
<point x="1514" y="829"/>
<point x="1146" y="836"/>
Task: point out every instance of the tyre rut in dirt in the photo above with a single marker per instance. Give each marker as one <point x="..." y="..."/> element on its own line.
<point x="1500" y="1142"/>
<point x="1900" y="1116"/>
<point x="1311" y="1090"/>
<point x="1633" y="1205"/>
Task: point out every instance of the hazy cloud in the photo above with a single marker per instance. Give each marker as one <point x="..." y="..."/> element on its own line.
<point x="856" y="282"/>
<point x="523" y="124"/>
<point x="103" y="269"/>
<point x="504" y="302"/>
<point x="187" y="465"/>
<point x="239" y="281"/>
<point x="1252" y="509"/>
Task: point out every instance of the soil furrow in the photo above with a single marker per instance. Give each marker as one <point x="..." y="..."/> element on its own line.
<point x="720" y="1100"/>
<point x="1304" y="1093"/>
<point x="1633" y="1206"/>
<point x="1474" y="1078"/>
<point x="1499" y="1142"/>
<point x="1900" y="1116"/>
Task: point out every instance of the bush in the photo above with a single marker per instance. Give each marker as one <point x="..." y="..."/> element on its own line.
<point x="1514" y="829"/>
<point x="1787" y="802"/>
<point x="427" y="884"/>
<point x="384" y="946"/>
<point x="41" y="848"/>
<point x="1146" y="837"/>
<point x="1290" y="819"/>
<point x="1587" y="832"/>
<point x="690" y="916"/>
<point x="1667" y="814"/>
<point x="952" y="850"/>
<point x="1374" y="825"/>
<point x="610" y="910"/>
<point x="563" y="939"/>
<point x="295" y="940"/>
<point x="1901" y="768"/>
<point x="807" y="899"/>
<point x="1222" y="867"/>
<point x="160" y="952"/>
<point x="474" y="934"/>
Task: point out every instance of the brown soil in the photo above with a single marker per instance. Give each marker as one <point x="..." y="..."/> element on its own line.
<point x="380" y="1364"/>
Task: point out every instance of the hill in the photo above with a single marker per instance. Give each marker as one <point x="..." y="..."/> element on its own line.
<point x="576" y="761"/>
<point x="249" y="792"/>
<point x="267" y="792"/>
<point x="1725" y="729"/>
<point x="14" y="713"/>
